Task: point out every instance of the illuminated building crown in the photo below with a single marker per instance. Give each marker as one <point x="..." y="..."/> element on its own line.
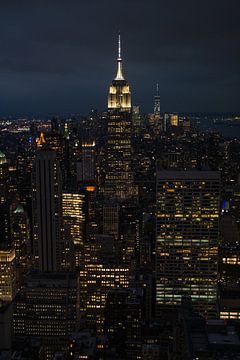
<point x="119" y="96"/>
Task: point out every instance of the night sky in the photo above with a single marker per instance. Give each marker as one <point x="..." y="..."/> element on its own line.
<point x="59" y="56"/>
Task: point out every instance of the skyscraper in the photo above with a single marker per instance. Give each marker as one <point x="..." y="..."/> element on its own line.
<point x="187" y="239"/>
<point x="8" y="286"/>
<point x="111" y="219"/>
<point x="86" y="165"/>
<point x="46" y="306"/>
<point x="155" y="118"/>
<point x="119" y="177"/>
<point x="46" y="197"/>
<point x="74" y="220"/>
<point x="157" y="102"/>
<point x="46" y="310"/>
<point x="3" y="178"/>
<point x="20" y="239"/>
<point x="96" y="279"/>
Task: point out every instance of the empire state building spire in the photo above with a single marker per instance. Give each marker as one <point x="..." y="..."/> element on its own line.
<point x="119" y="75"/>
<point x="119" y="95"/>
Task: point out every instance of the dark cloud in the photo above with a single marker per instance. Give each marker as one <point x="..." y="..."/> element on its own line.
<point x="59" y="56"/>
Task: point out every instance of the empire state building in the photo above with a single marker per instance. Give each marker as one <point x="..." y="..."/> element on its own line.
<point x="119" y="177"/>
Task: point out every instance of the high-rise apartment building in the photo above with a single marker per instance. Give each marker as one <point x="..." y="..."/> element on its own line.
<point x="47" y="207"/>
<point x="187" y="233"/>
<point x="119" y="177"/>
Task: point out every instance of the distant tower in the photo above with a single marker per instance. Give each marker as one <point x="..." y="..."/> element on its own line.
<point x="41" y="141"/>
<point x="46" y="197"/>
<point x="157" y="102"/>
<point x="119" y="177"/>
<point x="3" y="178"/>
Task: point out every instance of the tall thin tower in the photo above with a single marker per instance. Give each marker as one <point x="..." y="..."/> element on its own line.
<point x="119" y="177"/>
<point x="157" y="102"/>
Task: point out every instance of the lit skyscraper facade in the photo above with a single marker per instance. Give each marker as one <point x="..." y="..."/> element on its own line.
<point x="119" y="177"/>
<point x="187" y="239"/>
<point x="74" y="220"/>
<point x="96" y="279"/>
<point x="174" y="120"/>
<point x="73" y="215"/>
<point x="8" y="287"/>
<point x="20" y="239"/>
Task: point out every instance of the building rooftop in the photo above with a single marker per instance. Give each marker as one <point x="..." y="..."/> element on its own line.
<point x="187" y="175"/>
<point x="229" y="338"/>
<point x="19" y="210"/>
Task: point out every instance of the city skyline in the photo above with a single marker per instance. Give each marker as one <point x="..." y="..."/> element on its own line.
<point x="64" y="63"/>
<point x="119" y="211"/>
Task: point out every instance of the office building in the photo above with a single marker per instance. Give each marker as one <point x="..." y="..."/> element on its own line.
<point x="48" y="243"/>
<point x="5" y="221"/>
<point x="95" y="282"/>
<point x="111" y="212"/>
<point x="187" y="233"/>
<point x="6" y="312"/>
<point x="100" y="271"/>
<point x="74" y="221"/>
<point x="46" y="310"/>
<point x="8" y="285"/>
<point x="20" y="240"/>
<point x="86" y="167"/>
<point x="123" y="322"/>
